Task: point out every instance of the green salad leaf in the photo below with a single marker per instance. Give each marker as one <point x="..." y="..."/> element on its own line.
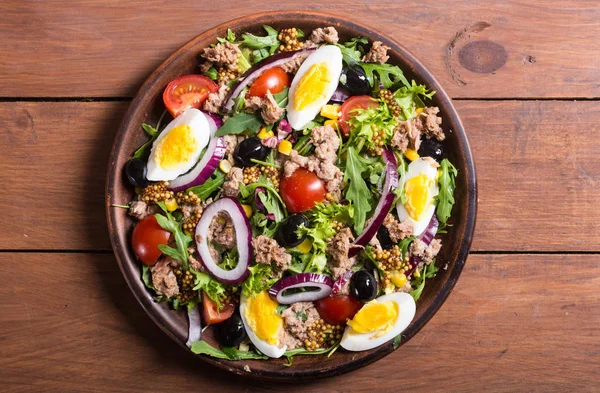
<point x="409" y="98"/>
<point x="147" y="277"/>
<point x="397" y="341"/>
<point x="229" y="38"/>
<point x="428" y="271"/>
<point x="281" y="98"/>
<point x="244" y="60"/>
<point x="261" y="277"/>
<point x="182" y="240"/>
<point x="239" y="123"/>
<point x="214" y="289"/>
<point x="270" y="41"/>
<point x="445" y="199"/>
<point x="149" y="129"/>
<point x="387" y="74"/>
<point x="203" y="348"/>
<point x="352" y="52"/>
<point x="212" y="73"/>
<point x="358" y="193"/>
<point x="206" y="189"/>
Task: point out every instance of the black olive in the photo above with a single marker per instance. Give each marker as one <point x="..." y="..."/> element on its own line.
<point x="363" y="285"/>
<point x="250" y="148"/>
<point x="431" y="147"/>
<point x="383" y="235"/>
<point x="135" y="171"/>
<point x="231" y="332"/>
<point x="356" y="81"/>
<point x="287" y="235"/>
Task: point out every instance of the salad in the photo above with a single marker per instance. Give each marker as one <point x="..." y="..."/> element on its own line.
<point x="295" y="198"/>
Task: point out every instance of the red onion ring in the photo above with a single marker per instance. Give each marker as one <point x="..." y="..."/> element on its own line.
<point x="195" y="328"/>
<point x="384" y="205"/>
<point x="243" y="233"/>
<point x="303" y="280"/>
<point x="260" y="67"/>
<point x="341" y="282"/>
<point x="426" y="237"/>
<point x="210" y="160"/>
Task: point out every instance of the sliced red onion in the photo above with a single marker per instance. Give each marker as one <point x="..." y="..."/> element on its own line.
<point x="384" y="205"/>
<point x="303" y="280"/>
<point x="271" y="142"/>
<point x="283" y="129"/>
<point x="257" y="202"/>
<point x="340" y="94"/>
<point x="338" y="286"/>
<point x="260" y="67"/>
<point x="426" y="237"/>
<point x="195" y="329"/>
<point x="210" y="160"/>
<point x="243" y="235"/>
<point x="216" y="118"/>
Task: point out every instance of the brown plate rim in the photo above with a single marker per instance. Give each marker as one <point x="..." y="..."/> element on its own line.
<point x="449" y="112"/>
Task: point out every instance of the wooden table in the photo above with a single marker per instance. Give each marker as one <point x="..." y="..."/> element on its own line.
<point x="525" y="77"/>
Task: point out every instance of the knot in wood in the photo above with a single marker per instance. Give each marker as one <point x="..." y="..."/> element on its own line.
<point x="482" y="56"/>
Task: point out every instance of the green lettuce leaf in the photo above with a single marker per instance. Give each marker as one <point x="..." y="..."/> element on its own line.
<point x="358" y="193"/>
<point x="445" y="199"/>
<point x="387" y="74"/>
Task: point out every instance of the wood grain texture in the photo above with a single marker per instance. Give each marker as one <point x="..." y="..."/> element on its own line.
<point x="90" y="48"/>
<point x="536" y="165"/>
<point x="510" y="322"/>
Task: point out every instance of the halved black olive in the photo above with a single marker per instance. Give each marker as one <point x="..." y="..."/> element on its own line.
<point x="363" y="285"/>
<point x="231" y="332"/>
<point x="287" y="235"/>
<point x="248" y="149"/>
<point x="356" y="81"/>
<point x="135" y="171"/>
<point x="431" y="147"/>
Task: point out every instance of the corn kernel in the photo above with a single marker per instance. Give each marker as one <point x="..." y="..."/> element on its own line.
<point x="305" y="246"/>
<point x="332" y="123"/>
<point x="411" y="154"/>
<point x="416" y="273"/>
<point x="225" y="166"/>
<point x="399" y="279"/>
<point x="171" y="204"/>
<point x="264" y="134"/>
<point x="247" y="210"/>
<point x="419" y="110"/>
<point x="331" y="111"/>
<point x="285" y="147"/>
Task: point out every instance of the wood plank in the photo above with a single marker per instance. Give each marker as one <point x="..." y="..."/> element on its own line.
<point x="513" y="323"/>
<point x="535" y="161"/>
<point x="90" y="48"/>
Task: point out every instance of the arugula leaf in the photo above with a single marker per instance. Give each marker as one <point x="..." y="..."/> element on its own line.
<point x="445" y="199"/>
<point x="182" y="240"/>
<point x="365" y="121"/>
<point x="261" y="225"/>
<point x="281" y="98"/>
<point x="260" y="278"/>
<point x="259" y="54"/>
<point x="247" y="195"/>
<point x="428" y="271"/>
<point x="281" y="308"/>
<point x="147" y="277"/>
<point x="213" y="184"/>
<point x="352" y="52"/>
<point x="239" y="123"/>
<point x="255" y="42"/>
<point x="397" y="340"/>
<point x="409" y="98"/>
<point x="230" y="259"/>
<point x="214" y="289"/>
<point x="404" y="244"/>
<point x="387" y="74"/>
<point x="149" y="129"/>
<point x="229" y="38"/>
<point x="212" y="73"/>
<point x="238" y="102"/>
<point x="302" y="351"/>
<point x="358" y="193"/>
<point x="203" y="348"/>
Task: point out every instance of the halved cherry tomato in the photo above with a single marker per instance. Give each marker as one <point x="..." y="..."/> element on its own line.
<point x="210" y="312"/>
<point x="302" y="190"/>
<point x="337" y="309"/>
<point x="274" y="79"/>
<point x="147" y="235"/>
<point x="189" y="91"/>
<point x="351" y="103"/>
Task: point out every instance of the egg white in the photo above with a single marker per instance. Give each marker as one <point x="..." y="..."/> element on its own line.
<point x="272" y="351"/>
<point x="353" y="341"/>
<point x="198" y="123"/>
<point x="332" y="56"/>
<point x="427" y="166"/>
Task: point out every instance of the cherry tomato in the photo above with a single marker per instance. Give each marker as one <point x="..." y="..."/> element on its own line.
<point x="189" y="91"/>
<point x="302" y="190"/>
<point x="274" y="79"/>
<point x="353" y="103"/>
<point x="147" y="235"/>
<point x="337" y="309"/>
<point x="210" y="312"/>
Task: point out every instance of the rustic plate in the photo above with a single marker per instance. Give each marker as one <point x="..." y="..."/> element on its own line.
<point x="147" y="107"/>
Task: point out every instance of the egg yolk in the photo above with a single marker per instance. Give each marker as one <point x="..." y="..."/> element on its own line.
<point x="375" y="317"/>
<point x="312" y="86"/>
<point x="418" y="197"/>
<point x="176" y="148"/>
<point x="261" y="316"/>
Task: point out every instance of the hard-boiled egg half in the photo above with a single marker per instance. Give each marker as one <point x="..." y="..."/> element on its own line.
<point x="379" y="321"/>
<point x="420" y="188"/>
<point x="178" y="147"/>
<point x="314" y="84"/>
<point x="263" y="325"/>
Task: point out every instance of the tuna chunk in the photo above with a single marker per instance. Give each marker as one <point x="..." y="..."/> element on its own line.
<point x="140" y="210"/>
<point x="267" y="251"/>
<point x="408" y="133"/>
<point x="221" y="230"/>
<point x="426" y="253"/>
<point x="292" y="66"/>
<point x="377" y="54"/>
<point x="225" y="54"/>
<point x="214" y="101"/>
<point x="326" y="34"/>
<point x="163" y="277"/>
<point x="397" y="230"/>
<point x="297" y="319"/>
<point x="231" y="186"/>
<point x="269" y="110"/>
<point x="338" y="248"/>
